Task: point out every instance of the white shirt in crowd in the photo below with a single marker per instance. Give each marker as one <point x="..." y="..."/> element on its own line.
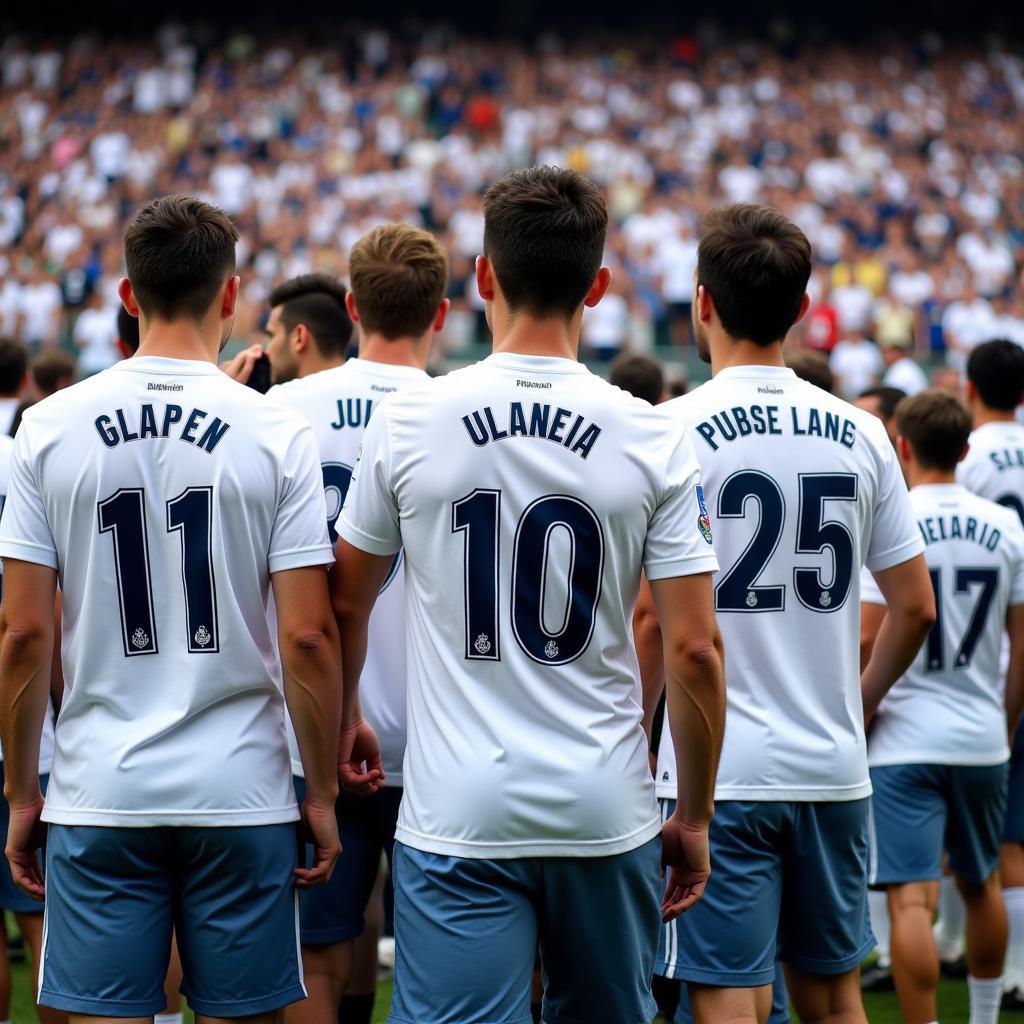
<point x="857" y="363"/>
<point x="96" y="336"/>
<point x="527" y="493"/>
<point x="854" y="305"/>
<point x="40" y="303"/>
<point x="803" y="490"/>
<point x="948" y="707"/>
<point x="907" y="375"/>
<point x="167" y="495"/>
<point x="338" y="403"/>
<point x="606" y="325"/>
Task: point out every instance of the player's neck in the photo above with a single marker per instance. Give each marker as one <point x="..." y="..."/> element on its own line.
<point x="179" y="339"/>
<point x="726" y="353"/>
<point x="527" y="336"/>
<point x="982" y="414"/>
<point x="920" y="477"/>
<point x="375" y="348"/>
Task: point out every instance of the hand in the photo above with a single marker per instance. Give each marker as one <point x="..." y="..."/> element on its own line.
<point x="319" y="826"/>
<point x="359" y="764"/>
<point x="25" y="835"/>
<point x="240" y="368"/>
<point x="684" y="849"/>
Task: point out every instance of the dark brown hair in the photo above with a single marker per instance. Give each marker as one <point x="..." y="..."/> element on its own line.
<point x="996" y="369"/>
<point x="178" y="252"/>
<point x="812" y="367"/>
<point x="755" y="264"/>
<point x="13" y="364"/>
<point x="317" y="301"/>
<point x="640" y="375"/>
<point x="936" y="425"/>
<point x="51" y="368"/>
<point x="399" y="275"/>
<point x="544" y="232"/>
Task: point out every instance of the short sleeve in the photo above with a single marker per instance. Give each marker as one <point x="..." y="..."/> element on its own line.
<point x="895" y="537"/>
<point x="299" y="537"/>
<point x="25" y="530"/>
<point x="679" y="539"/>
<point x="869" y="590"/>
<point x="369" y="519"/>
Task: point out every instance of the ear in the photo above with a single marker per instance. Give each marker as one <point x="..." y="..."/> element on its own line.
<point x="127" y="297"/>
<point x="485" y="282"/>
<point x="599" y="287"/>
<point x="805" y="304"/>
<point x="442" y="315"/>
<point x="350" y="306"/>
<point x="300" y="338"/>
<point x="703" y="304"/>
<point x="903" y="448"/>
<point x="970" y="391"/>
<point x="229" y="297"/>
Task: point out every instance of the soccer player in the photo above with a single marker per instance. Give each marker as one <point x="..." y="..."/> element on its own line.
<point x="803" y="488"/>
<point x="938" y="744"/>
<point x="994" y="469"/>
<point x="527" y="494"/>
<point x="170" y="500"/>
<point x="398" y="275"/>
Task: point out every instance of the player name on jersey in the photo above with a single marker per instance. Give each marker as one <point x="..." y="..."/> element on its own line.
<point x="540" y="421"/>
<point x="937" y="528"/>
<point x="1007" y="459"/>
<point x="149" y="422"/>
<point x="742" y="421"/>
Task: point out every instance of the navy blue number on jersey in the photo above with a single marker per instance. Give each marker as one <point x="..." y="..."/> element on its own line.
<point x="964" y="579"/>
<point x="123" y="516"/>
<point x="1012" y="501"/>
<point x="191" y="513"/>
<point x="337" y="478"/>
<point x="478" y="515"/>
<point x="738" y="591"/>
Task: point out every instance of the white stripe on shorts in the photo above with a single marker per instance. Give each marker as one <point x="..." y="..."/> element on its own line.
<point x="298" y="945"/>
<point x="42" y="950"/>
<point x="671" y="929"/>
<point x="872" y="847"/>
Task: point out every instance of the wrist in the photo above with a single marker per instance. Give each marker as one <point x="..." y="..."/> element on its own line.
<point x="694" y="822"/>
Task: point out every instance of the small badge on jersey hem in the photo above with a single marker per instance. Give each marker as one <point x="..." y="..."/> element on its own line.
<point x="703" y="520"/>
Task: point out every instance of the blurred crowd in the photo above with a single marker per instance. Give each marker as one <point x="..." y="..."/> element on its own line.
<point x="900" y="160"/>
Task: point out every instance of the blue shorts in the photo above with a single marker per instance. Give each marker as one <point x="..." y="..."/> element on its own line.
<point x="11" y="897"/>
<point x="467" y="933"/>
<point x="334" y="912"/>
<point x="920" y="809"/>
<point x="1013" y="831"/>
<point x="113" y="896"/>
<point x="788" y="882"/>
<point x="780" y="1002"/>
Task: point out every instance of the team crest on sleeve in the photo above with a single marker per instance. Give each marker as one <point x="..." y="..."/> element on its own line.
<point x="703" y="520"/>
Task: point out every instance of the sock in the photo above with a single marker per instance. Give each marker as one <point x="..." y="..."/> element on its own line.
<point x="986" y="994"/>
<point x="535" y="1012"/>
<point x="169" y="1018"/>
<point x="356" y="1008"/>
<point x="949" y="931"/>
<point x="878" y="908"/>
<point x="1013" y="972"/>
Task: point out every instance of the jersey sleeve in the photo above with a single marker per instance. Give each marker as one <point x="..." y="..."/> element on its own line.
<point x="369" y="519"/>
<point x="300" y="537"/>
<point x="24" y="530"/>
<point x="1017" y="581"/>
<point x="679" y="539"/>
<point x="869" y="589"/>
<point x="895" y="537"/>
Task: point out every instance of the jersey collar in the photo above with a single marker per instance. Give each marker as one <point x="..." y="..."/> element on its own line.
<point x="753" y="372"/>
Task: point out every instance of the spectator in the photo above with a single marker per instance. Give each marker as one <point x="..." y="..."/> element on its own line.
<point x="642" y="376"/>
<point x="881" y="401"/>
<point x="856" y="362"/>
<point x="902" y="371"/>
<point x="95" y="334"/>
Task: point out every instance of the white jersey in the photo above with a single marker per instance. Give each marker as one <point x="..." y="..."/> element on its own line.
<point x="166" y="495"/>
<point x="803" y="489"/>
<point x="46" y="740"/>
<point x="994" y="464"/>
<point x="527" y="493"/>
<point x="948" y="708"/>
<point x="339" y="403"/>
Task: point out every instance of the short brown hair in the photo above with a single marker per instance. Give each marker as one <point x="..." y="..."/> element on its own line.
<point x="812" y="367"/>
<point x="50" y="369"/>
<point x="13" y="364"/>
<point x="178" y="252"/>
<point x="398" y="275"/>
<point x="317" y="301"/>
<point x="544" y="233"/>
<point x="936" y="425"/>
<point x="640" y="375"/>
<point x="755" y="264"/>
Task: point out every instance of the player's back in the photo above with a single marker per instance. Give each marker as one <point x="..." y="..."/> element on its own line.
<point x="994" y="464"/>
<point x="527" y="489"/>
<point x="802" y="488"/>
<point x="161" y="482"/>
<point x="338" y="404"/>
<point x="948" y="707"/>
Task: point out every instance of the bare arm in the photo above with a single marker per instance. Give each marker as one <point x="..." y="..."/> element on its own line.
<point x="26" y="653"/>
<point x="1014" y="694"/>
<point x="695" y="692"/>
<point x="56" y="665"/>
<point x="910" y="604"/>
<point x="355" y="584"/>
<point x="871" y="616"/>
<point x="311" y="660"/>
<point x="647" y="636"/>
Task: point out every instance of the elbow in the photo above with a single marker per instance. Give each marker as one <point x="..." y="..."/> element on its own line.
<point x="699" y="660"/>
<point x="311" y="641"/>
<point x="24" y="639"/>
<point x="923" y="614"/>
